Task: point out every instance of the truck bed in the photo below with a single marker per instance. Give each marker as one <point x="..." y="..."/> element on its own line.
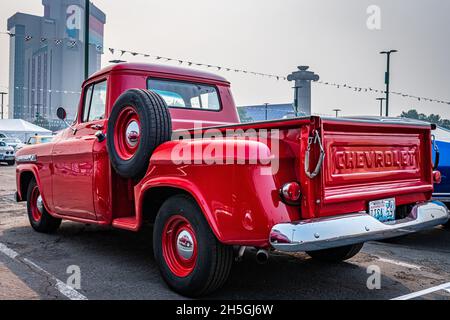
<point x="365" y="160"/>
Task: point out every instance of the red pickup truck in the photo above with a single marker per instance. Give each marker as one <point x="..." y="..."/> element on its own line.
<point x="164" y="145"/>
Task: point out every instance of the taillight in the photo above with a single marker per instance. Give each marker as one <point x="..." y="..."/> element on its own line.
<point x="437" y="177"/>
<point x="290" y="193"/>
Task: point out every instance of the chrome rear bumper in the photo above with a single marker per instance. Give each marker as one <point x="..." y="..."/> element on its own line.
<point x="332" y="232"/>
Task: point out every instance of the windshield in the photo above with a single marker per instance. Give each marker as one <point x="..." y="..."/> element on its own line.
<point x="46" y="139"/>
<point x="11" y="140"/>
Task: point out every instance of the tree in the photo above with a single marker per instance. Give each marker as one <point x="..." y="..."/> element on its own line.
<point x="432" y="118"/>
<point x="41" y="121"/>
<point x="446" y="123"/>
<point x="411" y="114"/>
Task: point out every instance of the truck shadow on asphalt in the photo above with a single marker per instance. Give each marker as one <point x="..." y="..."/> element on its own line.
<point x="117" y="264"/>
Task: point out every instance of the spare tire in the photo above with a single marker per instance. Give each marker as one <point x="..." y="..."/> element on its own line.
<point x="139" y="122"/>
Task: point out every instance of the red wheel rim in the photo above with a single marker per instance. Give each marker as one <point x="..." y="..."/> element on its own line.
<point x="127" y="133"/>
<point x="37" y="205"/>
<point x="179" y="246"/>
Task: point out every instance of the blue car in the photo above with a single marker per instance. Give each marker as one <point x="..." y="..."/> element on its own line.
<point x="442" y="190"/>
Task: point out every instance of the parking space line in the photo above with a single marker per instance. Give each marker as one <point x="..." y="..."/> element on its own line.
<point x="445" y="287"/>
<point x="399" y="263"/>
<point x="8" y="252"/>
<point x="66" y="290"/>
<point x="63" y="288"/>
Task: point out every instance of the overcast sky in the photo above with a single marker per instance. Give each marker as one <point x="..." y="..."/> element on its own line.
<point x="330" y="36"/>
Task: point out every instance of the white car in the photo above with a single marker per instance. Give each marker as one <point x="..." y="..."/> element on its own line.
<point x="7" y="154"/>
<point x="13" y="142"/>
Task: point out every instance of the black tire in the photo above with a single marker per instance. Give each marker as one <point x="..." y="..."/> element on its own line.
<point x="334" y="255"/>
<point x="11" y="163"/>
<point x="213" y="261"/>
<point x="47" y="223"/>
<point x="155" y="128"/>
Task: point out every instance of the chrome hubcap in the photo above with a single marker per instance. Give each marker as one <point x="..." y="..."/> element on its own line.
<point x="185" y="245"/>
<point x="132" y="133"/>
<point x="40" y="204"/>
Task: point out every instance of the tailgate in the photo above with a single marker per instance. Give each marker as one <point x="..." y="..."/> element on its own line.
<point x="371" y="160"/>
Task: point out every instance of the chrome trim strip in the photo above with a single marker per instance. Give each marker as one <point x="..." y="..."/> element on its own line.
<point x="26" y="158"/>
<point x="443" y="198"/>
<point x="338" y="231"/>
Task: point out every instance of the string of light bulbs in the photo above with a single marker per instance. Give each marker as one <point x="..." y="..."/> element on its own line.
<point x="73" y="43"/>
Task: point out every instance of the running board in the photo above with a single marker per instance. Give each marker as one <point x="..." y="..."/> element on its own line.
<point x="127" y="223"/>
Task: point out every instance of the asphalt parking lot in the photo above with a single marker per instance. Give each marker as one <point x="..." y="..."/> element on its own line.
<point x="116" y="264"/>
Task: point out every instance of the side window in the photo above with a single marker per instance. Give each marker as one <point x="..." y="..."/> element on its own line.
<point x="95" y="102"/>
<point x="98" y="102"/>
<point x="32" y="141"/>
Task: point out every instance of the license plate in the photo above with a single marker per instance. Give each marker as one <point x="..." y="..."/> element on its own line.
<point x="382" y="210"/>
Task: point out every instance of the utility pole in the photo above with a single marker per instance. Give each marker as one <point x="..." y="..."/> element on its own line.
<point x="387" y="76"/>
<point x="86" y="39"/>
<point x="3" y="94"/>
<point x="381" y="105"/>
<point x="337" y="112"/>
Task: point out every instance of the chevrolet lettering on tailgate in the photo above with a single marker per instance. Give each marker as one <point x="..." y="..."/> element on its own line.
<point x="375" y="159"/>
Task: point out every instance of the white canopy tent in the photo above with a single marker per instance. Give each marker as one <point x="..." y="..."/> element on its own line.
<point x="21" y="129"/>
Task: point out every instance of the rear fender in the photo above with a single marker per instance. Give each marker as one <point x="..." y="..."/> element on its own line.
<point x="239" y="202"/>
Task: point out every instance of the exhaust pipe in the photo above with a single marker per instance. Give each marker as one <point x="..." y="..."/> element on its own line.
<point x="240" y="254"/>
<point x="262" y="256"/>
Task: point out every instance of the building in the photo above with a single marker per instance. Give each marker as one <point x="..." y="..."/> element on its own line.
<point x="47" y="60"/>
<point x="266" y="112"/>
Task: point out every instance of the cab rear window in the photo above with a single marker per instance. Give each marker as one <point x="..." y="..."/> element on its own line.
<point x="178" y="94"/>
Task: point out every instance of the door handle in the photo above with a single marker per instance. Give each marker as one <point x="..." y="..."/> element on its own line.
<point x="97" y="127"/>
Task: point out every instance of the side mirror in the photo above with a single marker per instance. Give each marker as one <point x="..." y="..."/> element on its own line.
<point x="61" y="113"/>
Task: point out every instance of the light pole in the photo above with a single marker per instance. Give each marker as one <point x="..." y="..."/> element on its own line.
<point x="86" y="38"/>
<point x="267" y="111"/>
<point x="337" y="112"/>
<point x="387" y="76"/>
<point x="381" y="105"/>
<point x="3" y="94"/>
